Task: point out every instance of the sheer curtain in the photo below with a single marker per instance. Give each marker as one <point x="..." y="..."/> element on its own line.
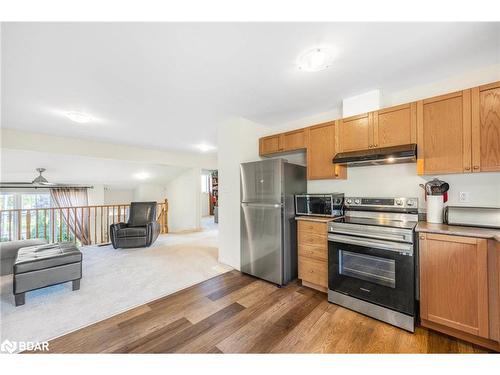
<point x="73" y="197"/>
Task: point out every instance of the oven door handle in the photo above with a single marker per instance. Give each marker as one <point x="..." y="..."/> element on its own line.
<point x="395" y="236"/>
<point x="401" y="248"/>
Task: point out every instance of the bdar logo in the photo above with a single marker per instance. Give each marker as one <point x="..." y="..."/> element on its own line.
<point x="8" y="346"/>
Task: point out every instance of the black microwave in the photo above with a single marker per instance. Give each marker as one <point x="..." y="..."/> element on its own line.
<point x="319" y="204"/>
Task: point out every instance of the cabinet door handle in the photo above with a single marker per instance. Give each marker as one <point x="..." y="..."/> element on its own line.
<point x="476" y="167"/>
<point x="467" y="168"/>
<point x="375" y="145"/>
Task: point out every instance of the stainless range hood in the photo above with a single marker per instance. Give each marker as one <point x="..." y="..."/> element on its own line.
<point x="378" y="156"/>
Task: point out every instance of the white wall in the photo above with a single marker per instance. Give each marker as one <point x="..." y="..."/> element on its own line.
<point x="205" y="204"/>
<point x="183" y="194"/>
<point x="149" y="192"/>
<point x="115" y="195"/>
<point x="366" y="102"/>
<point x="449" y="84"/>
<point x="96" y="195"/>
<point x="402" y="180"/>
<point x="237" y="141"/>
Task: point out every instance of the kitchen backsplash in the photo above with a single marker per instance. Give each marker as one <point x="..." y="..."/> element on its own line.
<point x="402" y="180"/>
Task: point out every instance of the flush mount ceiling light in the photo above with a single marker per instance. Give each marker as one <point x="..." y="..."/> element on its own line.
<point x="141" y="176"/>
<point x="204" y="147"/>
<point x="315" y="59"/>
<point x="79" y="117"/>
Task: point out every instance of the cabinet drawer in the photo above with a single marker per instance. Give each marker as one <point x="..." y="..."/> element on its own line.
<point x="308" y="238"/>
<point x="313" y="271"/>
<point x="312" y="227"/>
<point x="319" y="252"/>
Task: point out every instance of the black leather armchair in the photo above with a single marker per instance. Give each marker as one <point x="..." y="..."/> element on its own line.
<point x="141" y="230"/>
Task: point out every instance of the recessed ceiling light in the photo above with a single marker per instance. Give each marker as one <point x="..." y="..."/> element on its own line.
<point x="80" y="117"/>
<point x="315" y="59"/>
<point x="390" y="159"/>
<point x="204" y="147"/>
<point x="142" y="176"/>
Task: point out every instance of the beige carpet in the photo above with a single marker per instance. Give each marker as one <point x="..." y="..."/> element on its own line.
<point x="113" y="281"/>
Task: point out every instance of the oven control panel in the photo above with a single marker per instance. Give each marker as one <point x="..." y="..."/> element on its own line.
<point x="381" y="203"/>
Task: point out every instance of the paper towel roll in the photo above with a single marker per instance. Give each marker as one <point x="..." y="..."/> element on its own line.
<point x="435" y="206"/>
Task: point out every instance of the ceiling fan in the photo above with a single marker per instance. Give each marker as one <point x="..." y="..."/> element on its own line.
<point x="39" y="182"/>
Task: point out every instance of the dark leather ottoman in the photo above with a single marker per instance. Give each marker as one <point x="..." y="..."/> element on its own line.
<point x="45" y="265"/>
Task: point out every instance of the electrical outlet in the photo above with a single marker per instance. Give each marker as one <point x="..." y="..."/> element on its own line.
<point x="464" y="197"/>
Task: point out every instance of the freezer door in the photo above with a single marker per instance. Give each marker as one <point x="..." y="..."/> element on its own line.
<point x="261" y="181"/>
<point x="261" y="241"/>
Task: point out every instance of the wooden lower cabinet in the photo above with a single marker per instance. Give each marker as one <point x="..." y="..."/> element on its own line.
<point x="494" y="289"/>
<point x="312" y="240"/>
<point x="455" y="287"/>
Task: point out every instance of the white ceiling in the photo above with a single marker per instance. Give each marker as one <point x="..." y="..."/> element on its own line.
<point x="19" y="166"/>
<point x="169" y="85"/>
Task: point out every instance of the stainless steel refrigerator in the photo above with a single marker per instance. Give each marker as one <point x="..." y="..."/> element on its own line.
<point x="268" y="227"/>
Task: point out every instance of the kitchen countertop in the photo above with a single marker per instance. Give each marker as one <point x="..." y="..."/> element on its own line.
<point x="318" y="219"/>
<point x="456" y="230"/>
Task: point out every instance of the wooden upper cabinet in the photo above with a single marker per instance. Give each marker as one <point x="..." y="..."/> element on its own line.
<point x="295" y="140"/>
<point x="356" y="132"/>
<point x="454" y="282"/>
<point x="444" y="134"/>
<point x="395" y="126"/>
<point x="271" y="144"/>
<point x="289" y="141"/>
<point x="486" y="128"/>
<point x="321" y="148"/>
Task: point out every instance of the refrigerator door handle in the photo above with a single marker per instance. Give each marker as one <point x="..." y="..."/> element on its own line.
<point x="275" y="205"/>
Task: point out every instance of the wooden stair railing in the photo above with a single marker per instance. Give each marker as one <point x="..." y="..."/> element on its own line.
<point x="51" y="223"/>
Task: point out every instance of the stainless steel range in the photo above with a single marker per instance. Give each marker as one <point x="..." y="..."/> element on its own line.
<point x="371" y="259"/>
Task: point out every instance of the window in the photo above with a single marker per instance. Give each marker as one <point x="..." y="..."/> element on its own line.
<point x="35" y="200"/>
<point x="24" y="200"/>
<point x="7" y="201"/>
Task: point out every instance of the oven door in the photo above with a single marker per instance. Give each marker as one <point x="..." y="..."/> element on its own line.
<point x="376" y="271"/>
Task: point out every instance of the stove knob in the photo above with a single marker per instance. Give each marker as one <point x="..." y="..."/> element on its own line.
<point x="410" y="203"/>
<point x="349" y="201"/>
<point x="357" y="201"/>
<point x="399" y="202"/>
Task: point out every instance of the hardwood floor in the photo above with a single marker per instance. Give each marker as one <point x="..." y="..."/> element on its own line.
<point x="236" y="313"/>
